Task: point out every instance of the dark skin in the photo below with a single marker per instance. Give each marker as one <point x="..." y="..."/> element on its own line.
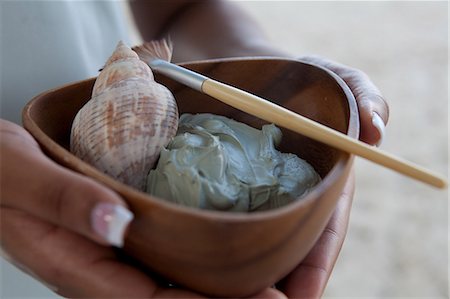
<point x="31" y="203"/>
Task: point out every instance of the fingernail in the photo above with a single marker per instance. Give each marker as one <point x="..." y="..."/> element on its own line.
<point x="378" y="123"/>
<point x="110" y="222"/>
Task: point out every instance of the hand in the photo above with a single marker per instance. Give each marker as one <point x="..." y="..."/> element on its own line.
<point x="309" y="279"/>
<point x="54" y="226"/>
<point x="373" y="109"/>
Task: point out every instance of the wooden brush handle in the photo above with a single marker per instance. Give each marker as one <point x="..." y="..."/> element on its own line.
<point x="283" y="117"/>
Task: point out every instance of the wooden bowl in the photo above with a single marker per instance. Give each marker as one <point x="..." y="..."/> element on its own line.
<point x="219" y="253"/>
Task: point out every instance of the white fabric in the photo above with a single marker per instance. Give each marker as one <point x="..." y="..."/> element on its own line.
<point x="45" y="44"/>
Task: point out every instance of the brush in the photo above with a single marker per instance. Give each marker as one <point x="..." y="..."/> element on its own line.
<point x="157" y="54"/>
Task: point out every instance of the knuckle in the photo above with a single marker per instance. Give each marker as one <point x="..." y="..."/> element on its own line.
<point x="56" y="200"/>
<point x="65" y="199"/>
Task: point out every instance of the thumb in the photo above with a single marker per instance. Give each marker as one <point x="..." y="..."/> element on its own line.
<point x="33" y="183"/>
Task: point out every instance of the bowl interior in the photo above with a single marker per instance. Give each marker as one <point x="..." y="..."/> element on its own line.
<point x="300" y="87"/>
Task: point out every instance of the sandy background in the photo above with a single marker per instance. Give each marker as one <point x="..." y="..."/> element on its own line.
<point x="397" y="243"/>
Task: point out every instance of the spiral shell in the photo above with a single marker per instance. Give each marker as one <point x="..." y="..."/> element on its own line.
<point x="129" y="119"/>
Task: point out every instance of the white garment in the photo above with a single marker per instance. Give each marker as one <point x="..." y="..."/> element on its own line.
<point x="45" y="44"/>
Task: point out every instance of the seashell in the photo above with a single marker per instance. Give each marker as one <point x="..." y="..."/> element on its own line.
<point x="129" y="119"/>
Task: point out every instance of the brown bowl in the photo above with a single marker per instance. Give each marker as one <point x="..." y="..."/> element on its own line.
<point x="220" y="253"/>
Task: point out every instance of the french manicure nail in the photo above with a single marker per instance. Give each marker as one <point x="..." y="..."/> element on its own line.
<point x="110" y="222"/>
<point x="378" y="123"/>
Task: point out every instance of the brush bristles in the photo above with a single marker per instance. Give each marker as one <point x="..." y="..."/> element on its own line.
<point x="161" y="49"/>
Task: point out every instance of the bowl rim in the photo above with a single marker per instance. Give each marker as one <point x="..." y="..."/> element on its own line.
<point x="73" y="163"/>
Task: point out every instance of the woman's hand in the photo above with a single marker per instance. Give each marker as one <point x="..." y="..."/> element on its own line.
<point x="373" y="109"/>
<point x="310" y="277"/>
<point x="57" y="226"/>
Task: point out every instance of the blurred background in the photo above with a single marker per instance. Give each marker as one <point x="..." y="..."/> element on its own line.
<point x="397" y="242"/>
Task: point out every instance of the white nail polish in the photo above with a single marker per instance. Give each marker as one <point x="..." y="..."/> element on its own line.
<point x="378" y="123"/>
<point x="110" y="222"/>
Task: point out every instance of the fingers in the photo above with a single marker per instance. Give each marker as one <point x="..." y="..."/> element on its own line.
<point x="269" y="294"/>
<point x="373" y="109"/>
<point x="309" y="279"/>
<point x="71" y="265"/>
<point x="40" y="200"/>
<point x="35" y="184"/>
